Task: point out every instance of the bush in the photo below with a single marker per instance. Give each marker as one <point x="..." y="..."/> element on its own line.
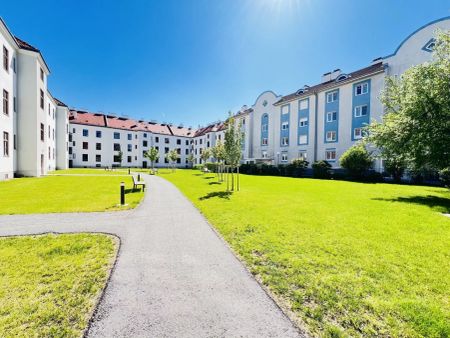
<point x="357" y="160"/>
<point x="321" y="169"/>
<point x="444" y="176"/>
<point x="395" y="168"/>
<point x="198" y="167"/>
<point x="299" y="166"/>
<point x="212" y="166"/>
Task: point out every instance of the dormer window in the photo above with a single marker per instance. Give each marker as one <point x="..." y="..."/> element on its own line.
<point x="342" y="77"/>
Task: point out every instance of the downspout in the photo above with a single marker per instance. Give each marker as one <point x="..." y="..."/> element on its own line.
<point x="316" y="112"/>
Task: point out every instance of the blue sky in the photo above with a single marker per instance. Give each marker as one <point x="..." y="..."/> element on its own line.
<point x="192" y="61"/>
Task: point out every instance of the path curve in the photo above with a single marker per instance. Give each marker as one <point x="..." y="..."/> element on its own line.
<point x="174" y="276"/>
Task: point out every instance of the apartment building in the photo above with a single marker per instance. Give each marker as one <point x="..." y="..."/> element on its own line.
<point x="98" y="140"/>
<point x="30" y="115"/>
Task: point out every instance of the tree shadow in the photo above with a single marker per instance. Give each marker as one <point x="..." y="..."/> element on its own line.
<point x="220" y="194"/>
<point x="212" y="183"/>
<point x="208" y="177"/>
<point x="197" y="174"/>
<point x="434" y="202"/>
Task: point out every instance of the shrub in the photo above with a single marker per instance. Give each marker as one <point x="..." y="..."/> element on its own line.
<point x="321" y="169"/>
<point x="444" y="176"/>
<point x="198" y="166"/>
<point x="357" y="160"/>
<point x="212" y="166"/>
<point x="299" y="166"/>
<point x="395" y="168"/>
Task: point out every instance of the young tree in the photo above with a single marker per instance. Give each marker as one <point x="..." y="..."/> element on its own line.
<point x="172" y="157"/>
<point x="416" y="126"/>
<point x="205" y="155"/>
<point x="357" y="160"/>
<point x="120" y="157"/>
<point x="191" y="159"/>
<point x="152" y="154"/>
<point x="218" y="152"/>
<point x="233" y="148"/>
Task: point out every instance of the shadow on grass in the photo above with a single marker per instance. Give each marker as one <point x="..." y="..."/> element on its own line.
<point x="212" y="183"/>
<point x="434" y="202"/>
<point x="208" y="177"/>
<point x="220" y="194"/>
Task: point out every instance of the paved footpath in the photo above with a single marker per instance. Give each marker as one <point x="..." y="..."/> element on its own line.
<point x="174" y="276"/>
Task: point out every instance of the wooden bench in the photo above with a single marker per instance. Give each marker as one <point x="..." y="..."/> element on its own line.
<point x="137" y="183"/>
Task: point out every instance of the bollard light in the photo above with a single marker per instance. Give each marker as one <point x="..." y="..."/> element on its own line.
<point x="139" y="177"/>
<point x="128" y="171"/>
<point x="122" y="193"/>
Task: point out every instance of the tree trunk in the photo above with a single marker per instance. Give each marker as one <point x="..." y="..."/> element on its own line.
<point x="238" y="183"/>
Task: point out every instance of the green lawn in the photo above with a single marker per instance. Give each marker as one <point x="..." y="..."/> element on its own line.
<point x="50" y="284"/>
<point x="66" y="194"/>
<point x="90" y="171"/>
<point x="348" y="258"/>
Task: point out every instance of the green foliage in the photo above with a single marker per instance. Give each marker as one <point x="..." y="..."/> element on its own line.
<point x="212" y="166"/>
<point x="357" y="160"/>
<point x="444" y="176"/>
<point x="205" y="154"/>
<point x="395" y="167"/>
<point x="350" y="259"/>
<point x="50" y="283"/>
<point x="233" y="142"/>
<point x="152" y="154"/>
<point x="191" y="158"/>
<point x="321" y="169"/>
<point x="416" y="125"/>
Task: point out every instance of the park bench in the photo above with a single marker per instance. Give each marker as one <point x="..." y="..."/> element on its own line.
<point x="137" y="183"/>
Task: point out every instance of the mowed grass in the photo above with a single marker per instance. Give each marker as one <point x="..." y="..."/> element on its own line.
<point x="90" y="171"/>
<point x="66" y="194"/>
<point x="350" y="259"/>
<point x="50" y="284"/>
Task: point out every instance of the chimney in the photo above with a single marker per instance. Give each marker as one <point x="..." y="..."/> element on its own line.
<point x="326" y="77"/>
<point x="335" y="73"/>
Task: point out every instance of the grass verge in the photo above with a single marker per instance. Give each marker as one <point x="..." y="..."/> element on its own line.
<point x="50" y="284"/>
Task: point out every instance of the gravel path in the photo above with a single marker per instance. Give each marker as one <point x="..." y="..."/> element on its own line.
<point x="174" y="276"/>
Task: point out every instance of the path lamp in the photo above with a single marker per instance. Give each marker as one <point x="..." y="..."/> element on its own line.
<point x="122" y="193"/>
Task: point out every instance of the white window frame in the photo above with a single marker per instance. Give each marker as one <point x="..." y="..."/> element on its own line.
<point x="356" y="137"/>
<point x="364" y="88"/>
<point x="264" y="154"/>
<point x="264" y="127"/>
<point x="359" y="109"/>
<point x="303" y="122"/>
<point x="302" y="154"/>
<point x="331" y="133"/>
<point x="285" y="111"/>
<point x="285" y="141"/>
<point x="330" y="116"/>
<point x="299" y="139"/>
<point x="284" y="156"/>
<point x="264" y="141"/>
<point x="285" y="125"/>
<point x="330" y="155"/>
<point x="304" y="103"/>
<point x="330" y="96"/>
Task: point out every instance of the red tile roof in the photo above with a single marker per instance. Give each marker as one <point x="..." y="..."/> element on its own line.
<point x="376" y="68"/>
<point x="90" y="119"/>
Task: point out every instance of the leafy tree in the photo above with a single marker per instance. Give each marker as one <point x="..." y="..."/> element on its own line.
<point x="152" y="154"/>
<point x="233" y="148"/>
<point x="172" y="157"/>
<point x="444" y="176"/>
<point x="191" y="159"/>
<point x="321" y="169"/>
<point x="395" y="166"/>
<point x="218" y="152"/>
<point x="120" y="157"/>
<point x="416" y="125"/>
<point x="357" y="160"/>
<point x="205" y="154"/>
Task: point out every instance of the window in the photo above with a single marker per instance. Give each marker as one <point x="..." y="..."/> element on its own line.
<point x="264" y="141"/>
<point x="303" y="104"/>
<point x="361" y="111"/>
<point x="357" y="133"/>
<point x="85" y="145"/>
<point x="98" y="146"/>
<point x="166" y="150"/>
<point x="303" y="139"/>
<point x="15" y="104"/>
<point x="42" y="98"/>
<point x="85" y="132"/>
<point x="116" y="158"/>
<point x="5" y="144"/>
<point x="178" y="141"/>
<point x="42" y="132"/>
<point x="144" y="143"/>
<point x="49" y="109"/>
<point x="14" y="64"/>
<point x="156" y="139"/>
<point x="15" y="141"/>
<point x="302" y="155"/>
<point x="429" y="45"/>
<point x="53" y="134"/>
<point x="187" y="142"/>
<point x="186" y="152"/>
<point x="303" y="122"/>
<point x="166" y="140"/>
<point x="116" y="146"/>
<point x="85" y="157"/>
<point x="331" y="136"/>
<point x="98" y="158"/>
<point x="264" y="154"/>
<point x="129" y="147"/>
<point x="129" y="159"/>
<point x="285" y="109"/>
<point x="330" y="155"/>
<point x="5" y="58"/>
<point x="285" y="126"/>
<point x="98" y="134"/>
<point x="331" y="116"/>
<point x="117" y="136"/>
<point x="42" y="75"/>
<point x="284" y="157"/>
<point x="285" y="141"/>
<point x="264" y="127"/>
<point x="145" y="135"/>
<point x="130" y="137"/>
<point x="362" y="88"/>
<point x="49" y="134"/>
<point x="49" y="153"/>
<point x="5" y="102"/>
<point x="333" y="96"/>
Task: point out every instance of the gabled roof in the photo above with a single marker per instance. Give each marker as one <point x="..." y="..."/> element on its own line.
<point x="25" y="45"/>
<point x="59" y="103"/>
<point x="181" y="131"/>
<point x="373" y="69"/>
